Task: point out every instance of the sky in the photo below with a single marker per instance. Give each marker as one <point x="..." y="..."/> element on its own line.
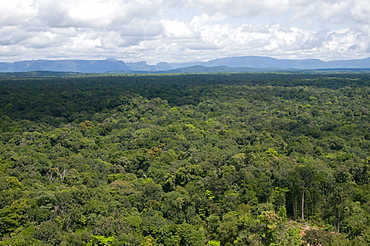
<point x="183" y="30"/>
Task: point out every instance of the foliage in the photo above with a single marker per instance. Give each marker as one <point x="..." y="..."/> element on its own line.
<point x="227" y="159"/>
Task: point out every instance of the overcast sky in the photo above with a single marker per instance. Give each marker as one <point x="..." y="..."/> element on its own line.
<point x="183" y="30"/>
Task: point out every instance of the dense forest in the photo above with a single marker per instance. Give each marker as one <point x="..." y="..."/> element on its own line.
<point x="197" y="159"/>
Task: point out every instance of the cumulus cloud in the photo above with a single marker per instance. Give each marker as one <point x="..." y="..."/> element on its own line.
<point x="333" y="12"/>
<point x="271" y="40"/>
<point x="178" y="29"/>
<point x="134" y="30"/>
<point x="40" y="40"/>
<point x="94" y="13"/>
<point x="16" y="12"/>
<point x="241" y="8"/>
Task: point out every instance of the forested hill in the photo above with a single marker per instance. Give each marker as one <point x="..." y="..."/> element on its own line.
<point x="226" y="159"/>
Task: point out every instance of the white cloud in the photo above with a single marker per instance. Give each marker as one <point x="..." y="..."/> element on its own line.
<point x="333" y="12"/>
<point x="178" y="29"/>
<point x="155" y="30"/>
<point x="94" y="13"/>
<point x="361" y="12"/>
<point x="241" y="8"/>
<point x="15" y="12"/>
<point x="40" y="40"/>
<point x="11" y="35"/>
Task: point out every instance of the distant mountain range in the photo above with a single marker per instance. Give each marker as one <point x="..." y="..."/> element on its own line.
<point x="228" y="64"/>
<point x="261" y="62"/>
<point x="144" y="67"/>
<point x="81" y="66"/>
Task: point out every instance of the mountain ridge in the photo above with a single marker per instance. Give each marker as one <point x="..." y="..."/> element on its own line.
<point x="269" y="62"/>
<point x="81" y="66"/>
<point x="240" y="63"/>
